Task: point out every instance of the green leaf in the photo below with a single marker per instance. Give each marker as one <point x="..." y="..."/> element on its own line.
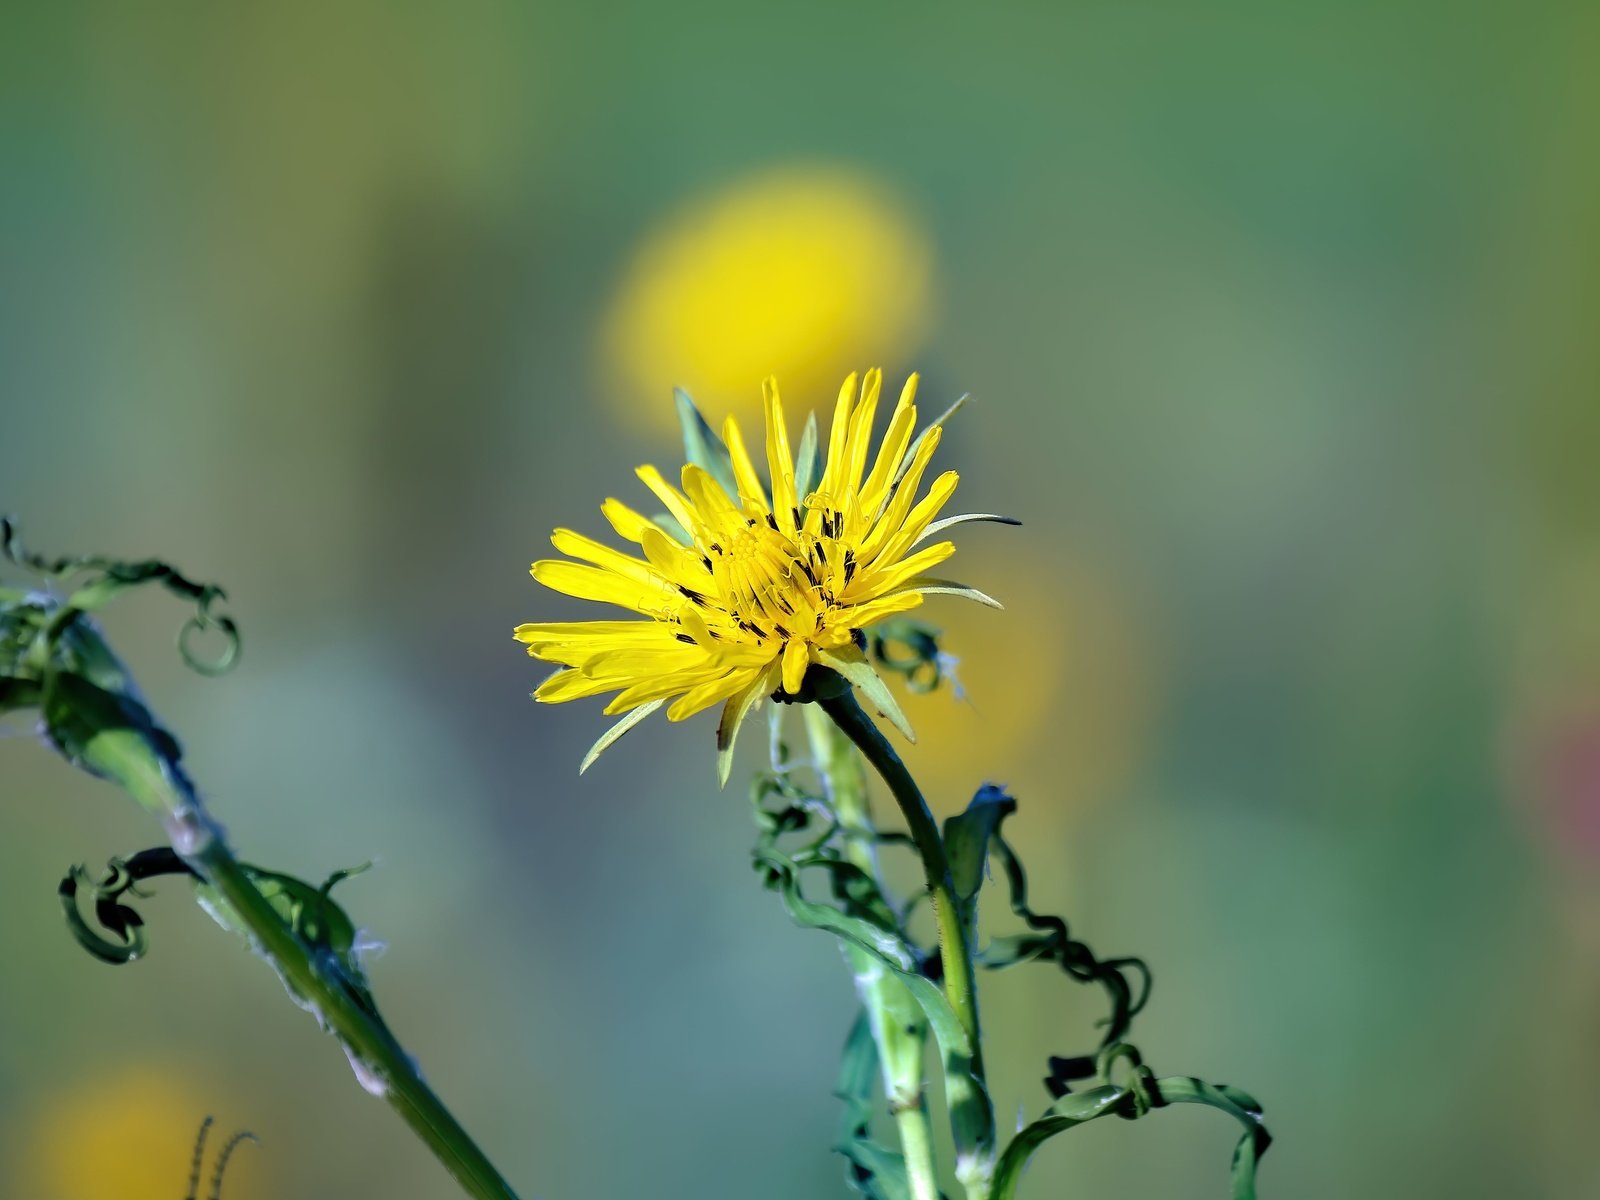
<point x="967" y="835"/>
<point x="311" y="913"/>
<point x="702" y="446"/>
<point x="1144" y="1095"/>
<point x="1068" y="1112"/>
<point x="970" y="1107"/>
<point x="101" y="731"/>
<point x="1239" y="1105"/>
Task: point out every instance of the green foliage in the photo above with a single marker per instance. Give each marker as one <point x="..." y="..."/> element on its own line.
<point x="874" y="1170"/>
<point x="1142" y="1094"/>
<point x="799" y="832"/>
<point x="53" y="657"/>
<point x="309" y="911"/>
<point x="967" y="836"/>
<point x="860" y="917"/>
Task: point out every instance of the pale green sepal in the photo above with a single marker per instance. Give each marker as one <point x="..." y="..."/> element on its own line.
<point x="616" y="731"/>
<point x="733" y="714"/>
<point x="702" y="446"/>
<point x="673" y="528"/>
<point x="808" y="460"/>
<point x="911" y="450"/>
<point x="853" y="665"/>
<point x="927" y="586"/>
<point x="940" y="526"/>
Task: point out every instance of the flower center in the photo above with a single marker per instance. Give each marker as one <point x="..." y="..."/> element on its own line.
<point x="773" y="586"/>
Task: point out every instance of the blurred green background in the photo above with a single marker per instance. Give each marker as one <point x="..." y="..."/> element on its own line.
<point x="1281" y="322"/>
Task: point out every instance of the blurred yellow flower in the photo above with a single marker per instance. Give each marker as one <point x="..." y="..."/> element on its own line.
<point x="1056" y="695"/>
<point x="796" y="272"/>
<point x="126" y="1134"/>
<point x="742" y="588"/>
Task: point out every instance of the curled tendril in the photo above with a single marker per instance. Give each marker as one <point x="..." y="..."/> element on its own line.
<point x="232" y="1144"/>
<point x="781" y="808"/>
<point x="1053" y="942"/>
<point x="128" y="940"/>
<point x="309" y="911"/>
<point x="110" y="576"/>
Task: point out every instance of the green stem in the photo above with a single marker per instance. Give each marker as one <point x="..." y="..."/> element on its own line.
<point x="382" y="1064"/>
<point x="898" y="1025"/>
<point x="974" y="1133"/>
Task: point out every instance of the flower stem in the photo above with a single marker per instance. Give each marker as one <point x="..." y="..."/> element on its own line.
<point x="969" y="1115"/>
<point x="898" y="1025"/>
<point x="381" y="1062"/>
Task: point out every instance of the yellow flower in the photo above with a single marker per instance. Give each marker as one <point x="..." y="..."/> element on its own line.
<point x="795" y="271"/>
<point x="744" y="589"/>
<point x="127" y="1133"/>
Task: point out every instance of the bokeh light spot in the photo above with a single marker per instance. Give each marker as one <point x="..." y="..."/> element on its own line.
<point x="1058" y="687"/>
<point x="129" y="1134"/>
<point x="801" y="272"/>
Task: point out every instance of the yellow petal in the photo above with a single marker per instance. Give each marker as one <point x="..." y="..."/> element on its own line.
<point x="670" y="496"/>
<point x="744" y="471"/>
<point x="780" y="459"/>
<point x="795" y="662"/>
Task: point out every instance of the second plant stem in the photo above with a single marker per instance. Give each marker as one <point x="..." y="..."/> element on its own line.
<point x="898" y="1026"/>
<point x="382" y="1064"/>
<point x="970" y="1114"/>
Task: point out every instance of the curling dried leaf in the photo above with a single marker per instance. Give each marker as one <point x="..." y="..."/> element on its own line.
<point x="1050" y="940"/>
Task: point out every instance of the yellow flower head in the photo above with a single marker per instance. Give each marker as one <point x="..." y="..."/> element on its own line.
<point x="745" y="587"/>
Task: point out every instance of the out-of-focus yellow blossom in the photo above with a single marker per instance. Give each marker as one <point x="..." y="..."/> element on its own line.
<point x="797" y="272"/>
<point x="1056" y="696"/>
<point x="744" y="587"/>
<point x="126" y="1134"/>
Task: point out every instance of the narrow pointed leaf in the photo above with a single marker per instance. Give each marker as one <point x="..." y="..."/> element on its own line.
<point x="853" y="665"/>
<point x="701" y="445"/>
